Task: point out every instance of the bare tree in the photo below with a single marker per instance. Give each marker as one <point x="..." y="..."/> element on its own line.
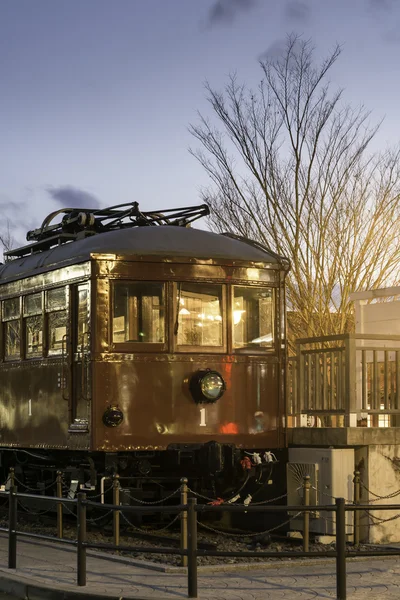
<point x="292" y="167"/>
<point x="6" y="237"/>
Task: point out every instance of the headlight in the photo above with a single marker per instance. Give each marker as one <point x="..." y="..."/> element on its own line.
<point x="113" y="416"/>
<point x="207" y="386"/>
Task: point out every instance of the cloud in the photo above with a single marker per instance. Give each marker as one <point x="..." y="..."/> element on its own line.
<point x="274" y="51"/>
<point x="297" y="11"/>
<point x="70" y="197"/>
<point x="392" y="36"/>
<point x="385" y="5"/>
<point x="226" y="11"/>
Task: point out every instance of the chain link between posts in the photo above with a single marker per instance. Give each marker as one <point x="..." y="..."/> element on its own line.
<point x="177" y="491"/>
<point x="236" y="503"/>
<point x="32" y="512"/>
<point x="103" y="516"/>
<point x="247" y="535"/>
<point x="31" y="489"/>
<point x="377" y="496"/>
<point x="142" y="530"/>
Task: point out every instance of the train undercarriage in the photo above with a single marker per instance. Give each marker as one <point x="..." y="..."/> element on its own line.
<point x="216" y="472"/>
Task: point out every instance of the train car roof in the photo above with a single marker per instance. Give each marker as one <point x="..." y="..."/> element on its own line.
<point x="162" y="240"/>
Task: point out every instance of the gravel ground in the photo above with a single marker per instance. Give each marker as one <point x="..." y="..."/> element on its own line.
<point x="238" y="543"/>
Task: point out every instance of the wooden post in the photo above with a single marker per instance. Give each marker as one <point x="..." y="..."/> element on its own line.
<point x="340" y="549"/>
<point x="356" y="513"/>
<point x="184" y="531"/>
<point x="192" y="548"/>
<point x="351" y="382"/>
<point x="59" y="505"/>
<point x="11" y="477"/>
<point x="81" y="554"/>
<point x="306" y="514"/>
<point x="116" y="513"/>
<point x="12" y="528"/>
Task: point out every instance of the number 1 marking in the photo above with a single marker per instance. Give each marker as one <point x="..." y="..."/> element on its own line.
<point x="202" y="417"/>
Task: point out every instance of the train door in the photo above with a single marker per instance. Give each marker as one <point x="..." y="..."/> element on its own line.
<point x="81" y="375"/>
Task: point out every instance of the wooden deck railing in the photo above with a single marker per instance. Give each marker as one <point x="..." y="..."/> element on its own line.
<point x="345" y="380"/>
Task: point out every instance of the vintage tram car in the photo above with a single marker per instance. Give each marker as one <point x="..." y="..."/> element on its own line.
<point x="134" y="343"/>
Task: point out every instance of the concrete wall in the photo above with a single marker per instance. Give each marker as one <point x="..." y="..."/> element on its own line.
<point x="383" y="478"/>
<point x="382" y="318"/>
<point x="377" y="317"/>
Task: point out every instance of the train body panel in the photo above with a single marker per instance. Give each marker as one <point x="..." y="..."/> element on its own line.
<point x="157" y="341"/>
<point x="158" y="408"/>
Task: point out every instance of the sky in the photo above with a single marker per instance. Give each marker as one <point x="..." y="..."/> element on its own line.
<point x="97" y="95"/>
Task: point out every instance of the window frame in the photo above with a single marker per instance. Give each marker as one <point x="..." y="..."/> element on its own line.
<point x="4" y="321"/>
<point x="179" y="349"/>
<point x="50" y="352"/>
<point x="26" y="316"/>
<point x="256" y="350"/>
<point x="142" y="347"/>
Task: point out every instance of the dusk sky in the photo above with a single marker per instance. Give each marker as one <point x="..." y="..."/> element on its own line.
<point x="97" y="95"/>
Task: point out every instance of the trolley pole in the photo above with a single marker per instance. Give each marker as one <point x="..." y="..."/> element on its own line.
<point x="59" y="505"/>
<point x="12" y="529"/>
<point x="306" y="514"/>
<point x="184" y="523"/>
<point x="116" y="513"/>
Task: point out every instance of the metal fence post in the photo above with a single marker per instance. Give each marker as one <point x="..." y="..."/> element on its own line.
<point x="12" y="477"/>
<point x="116" y="513"/>
<point x="184" y="525"/>
<point x="81" y="525"/>
<point x="340" y="549"/>
<point x="306" y="514"/>
<point x="59" y="505"/>
<point x="192" y="548"/>
<point x="356" y="513"/>
<point x="12" y="528"/>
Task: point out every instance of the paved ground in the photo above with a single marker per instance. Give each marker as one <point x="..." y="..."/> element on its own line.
<point x="48" y="571"/>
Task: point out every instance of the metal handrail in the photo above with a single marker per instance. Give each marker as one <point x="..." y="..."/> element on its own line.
<point x="193" y="552"/>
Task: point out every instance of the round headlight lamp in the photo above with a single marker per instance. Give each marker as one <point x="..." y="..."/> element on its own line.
<point x="113" y="416"/>
<point x="207" y="386"/>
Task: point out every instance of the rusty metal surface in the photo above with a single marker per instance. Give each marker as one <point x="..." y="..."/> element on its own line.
<point x="32" y="410"/>
<point x="160" y="241"/>
<point x="150" y="387"/>
<point x="36" y="282"/>
<point x="159" y="409"/>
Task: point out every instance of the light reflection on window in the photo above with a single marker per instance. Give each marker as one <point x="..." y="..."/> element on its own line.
<point x="57" y="319"/>
<point x="253" y="317"/>
<point x="33" y="323"/>
<point x="199" y="315"/>
<point x="138" y="313"/>
<point x="11" y="329"/>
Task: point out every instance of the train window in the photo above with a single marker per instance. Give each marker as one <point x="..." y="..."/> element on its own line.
<point x="56" y="299"/>
<point x="11" y="309"/>
<point x="12" y="339"/>
<point x="57" y="319"/>
<point x="57" y="330"/>
<point x="82" y="318"/>
<point x="33" y="324"/>
<point x="199" y="318"/>
<point x="253" y="317"/>
<point x="12" y="328"/>
<point x="138" y="313"/>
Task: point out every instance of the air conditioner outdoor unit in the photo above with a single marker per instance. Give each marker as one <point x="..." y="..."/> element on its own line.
<point x="331" y="476"/>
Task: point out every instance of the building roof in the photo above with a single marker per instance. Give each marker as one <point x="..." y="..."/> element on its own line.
<point x="164" y="241"/>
